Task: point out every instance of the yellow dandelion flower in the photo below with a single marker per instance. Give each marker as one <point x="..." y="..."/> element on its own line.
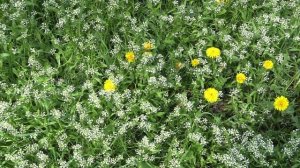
<point x="195" y="62"/>
<point x="148" y="45"/>
<point x="268" y="64"/>
<point x="130" y="56"/>
<point x="211" y="95"/>
<point x="240" y="78"/>
<point x="281" y="103"/>
<point x="179" y="65"/>
<point x="109" y="86"/>
<point x="213" y="52"/>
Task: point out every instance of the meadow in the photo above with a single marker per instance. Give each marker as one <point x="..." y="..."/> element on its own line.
<point x="149" y="83"/>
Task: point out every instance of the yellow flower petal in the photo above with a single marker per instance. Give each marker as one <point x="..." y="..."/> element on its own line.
<point x="268" y="64"/>
<point x="281" y="103"/>
<point x="109" y="86"/>
<point x="211" y="95"/>
<point x="195" y="62"/>
<point x="241" y="78"/>
<point x="213" y="52"/>
<point x="130" y="56"/>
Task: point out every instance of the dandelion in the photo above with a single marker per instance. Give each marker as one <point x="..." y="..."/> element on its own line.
<point x="240" y="78"/>
<point x="268" y="64"/>
<point x="130" y="56"/>
<point x="281" y="103"/>
<point x="148" y="45"/>
<point x="195" y="62"/>
<point x="211" y="95"/>
<point x="179" y="65"/>
<point x="213" y="52"/>
<point x="109" y="86"/>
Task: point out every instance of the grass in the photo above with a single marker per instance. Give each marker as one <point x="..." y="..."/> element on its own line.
<point x="55" y="57"/>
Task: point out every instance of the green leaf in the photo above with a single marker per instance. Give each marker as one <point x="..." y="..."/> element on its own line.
<point x="57" y="57"/>
<point x="4" y="55"/>
<point x="159" y="114"/>
<point x="145" y="165"/>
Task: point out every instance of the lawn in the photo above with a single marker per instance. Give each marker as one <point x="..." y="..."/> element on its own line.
<point x="149" y="83"/>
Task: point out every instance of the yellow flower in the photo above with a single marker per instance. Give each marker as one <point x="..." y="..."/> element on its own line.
<point x="195" y="62"/>
<point x="213" y="52"/>
<point x="240" y="78"/>
<point x="281" y="103"/>
<point x="268" y="64"/>
<point x="148" y="45"/>
<point x="130" y="56"/>
<point x="109" y="86"/>
<point x="179" y="65"/>
<point x="211" y="95"/>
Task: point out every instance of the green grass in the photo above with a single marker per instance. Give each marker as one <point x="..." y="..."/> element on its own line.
<point x="55" y="57"/>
